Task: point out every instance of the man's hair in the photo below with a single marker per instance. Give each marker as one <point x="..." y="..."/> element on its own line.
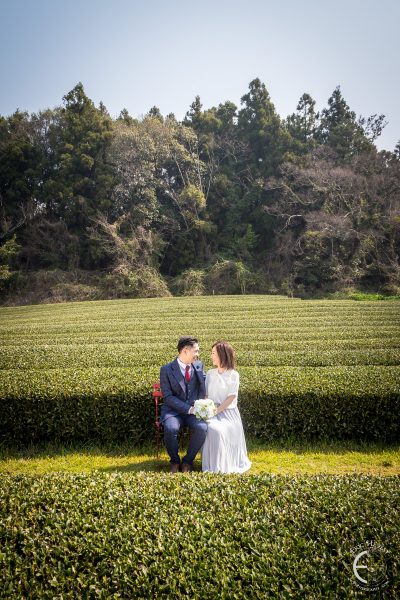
<point x="226" y="354"/>
<point x="186" y="340"/>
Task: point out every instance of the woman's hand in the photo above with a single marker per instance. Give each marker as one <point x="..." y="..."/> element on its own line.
<point x="225" y="404"/>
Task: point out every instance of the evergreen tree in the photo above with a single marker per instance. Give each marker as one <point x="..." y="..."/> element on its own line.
<point x="194" y="114"/>
<point x="155" y="113"/>
<point x="302" y="125"/>
<point x="261" y="127"/>
<point x="396" y="151"/>
<point x="81" y="178"/>
<point x="126" y="118"/>
<point x="340" y="130"/>
<point x="81" y="181"/>
<point x="20" y="173"/>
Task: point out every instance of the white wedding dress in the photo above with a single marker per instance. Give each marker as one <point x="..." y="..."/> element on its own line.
<point x="224" y="450"/>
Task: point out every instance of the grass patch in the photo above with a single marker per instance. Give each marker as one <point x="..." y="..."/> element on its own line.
<point x="367" y="296"/>
<point x="279" y="458"/>
<point x="372" y="297"/>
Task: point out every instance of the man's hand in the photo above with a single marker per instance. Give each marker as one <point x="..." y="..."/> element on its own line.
<point x="191" y="410"/>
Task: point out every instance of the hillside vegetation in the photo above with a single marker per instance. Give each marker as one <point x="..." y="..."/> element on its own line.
<point x="230" y="200"/>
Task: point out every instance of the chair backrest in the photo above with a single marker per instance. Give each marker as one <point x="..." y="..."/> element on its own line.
<point x="157" y="395"/>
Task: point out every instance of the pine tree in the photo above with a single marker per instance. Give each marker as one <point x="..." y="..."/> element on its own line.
<point x="261" y="127"/>
<point x="340" y="130"/>
<point x="81" y="180"/>
<point x="302" y="125"/>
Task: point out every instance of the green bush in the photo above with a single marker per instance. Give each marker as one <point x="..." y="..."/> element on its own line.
<point x="229" y="277"/>
<point x="56" y="286"/>
<point x="143" y="282"/>
<point x="190" y="283"/>
<point x="319" y="369"/>
<point x="75" y="404"/>
<point x="8" y="251"/>
<point x="360" y="403"/>
<point x="75" y="292"/>
<point x="202" y="536"/>
<point x="115" y="404"/>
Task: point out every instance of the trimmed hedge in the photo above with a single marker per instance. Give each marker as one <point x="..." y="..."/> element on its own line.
<point x="34" y="355"/>
<point x="313" y="369"/>
<point x="201" y="536"/>
<point x="75" y="404"/>
<point x="115" y="404"/>
<point x="360" y="403"/>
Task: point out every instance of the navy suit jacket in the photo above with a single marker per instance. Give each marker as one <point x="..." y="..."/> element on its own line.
<point x="174" y="390"/>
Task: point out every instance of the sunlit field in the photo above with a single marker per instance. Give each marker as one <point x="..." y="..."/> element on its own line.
<point x="102" y="517"/>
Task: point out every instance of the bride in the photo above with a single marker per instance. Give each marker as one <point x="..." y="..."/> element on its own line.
<point x="224" y="450"/>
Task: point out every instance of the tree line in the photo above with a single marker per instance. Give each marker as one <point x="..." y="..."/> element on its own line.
<point x="228" y="200"/>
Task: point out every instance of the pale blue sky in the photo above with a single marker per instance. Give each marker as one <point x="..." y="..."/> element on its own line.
<point x="140" y="53"/>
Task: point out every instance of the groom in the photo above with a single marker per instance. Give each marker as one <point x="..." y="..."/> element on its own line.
<point x="182" y="382"/>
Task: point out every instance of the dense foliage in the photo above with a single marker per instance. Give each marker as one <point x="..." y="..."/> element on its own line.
<point x="230" y="200"/>
<point x="203" y="536"/>
<point x="310" y="369"/>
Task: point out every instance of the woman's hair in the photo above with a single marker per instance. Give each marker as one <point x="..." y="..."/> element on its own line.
<point x="226" y="354"/>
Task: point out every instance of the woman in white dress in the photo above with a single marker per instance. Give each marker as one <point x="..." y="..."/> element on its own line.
<point x="224" y="450"/>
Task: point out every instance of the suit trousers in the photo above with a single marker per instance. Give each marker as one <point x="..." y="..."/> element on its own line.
<point x="172" y="426"/>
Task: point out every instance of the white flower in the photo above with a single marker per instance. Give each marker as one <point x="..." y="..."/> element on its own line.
<point x="204" y="409"/>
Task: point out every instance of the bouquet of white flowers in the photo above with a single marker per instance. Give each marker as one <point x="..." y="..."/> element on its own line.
<point x="204" y="409"/>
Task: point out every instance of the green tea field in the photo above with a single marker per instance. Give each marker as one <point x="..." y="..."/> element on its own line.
<point x="311" y="369"/>
<point x="93" y="523"/>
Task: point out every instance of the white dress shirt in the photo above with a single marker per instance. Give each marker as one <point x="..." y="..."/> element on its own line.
<point x="182" y="367"/>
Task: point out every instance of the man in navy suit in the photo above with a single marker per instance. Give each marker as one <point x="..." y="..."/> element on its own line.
<point x="182" y="382"/>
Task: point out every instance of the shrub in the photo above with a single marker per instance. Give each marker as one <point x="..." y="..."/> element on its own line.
<point x="202" y="537"/>
<point x="115" y="404"/>
<point x="8" y="251"/>
<point x="360" y="403"/>
<point x="53" y="286"/>
<point x="144" y="282"/>
<point x="326" y="369"/>
<point x="391" y="290"/>
<point x="228" y="277"/>
<point x="76" y="404"/>
<point x="190" y="283"/>
<point x="77" y="292"/>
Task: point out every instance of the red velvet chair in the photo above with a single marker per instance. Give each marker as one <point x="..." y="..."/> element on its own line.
<point x="157" y="396"/>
